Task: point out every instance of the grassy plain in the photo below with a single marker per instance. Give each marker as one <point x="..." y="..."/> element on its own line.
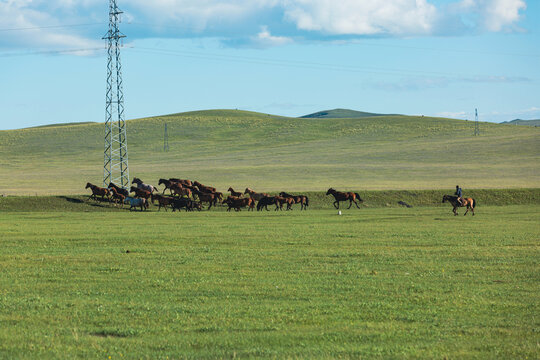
<point x="373" y="283"/>
<point x="271" y="153"/>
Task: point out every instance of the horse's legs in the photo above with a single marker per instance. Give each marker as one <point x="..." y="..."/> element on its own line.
<point x="455" y="211"/>
<point x="337" y="207"/>
<point x="467" y="210"/>
<point x="350" y="203"/>
<point x="355" y="203"/>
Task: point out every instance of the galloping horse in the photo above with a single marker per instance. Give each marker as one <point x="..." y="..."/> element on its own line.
<point x="341" y="196"/>
<point x="134" y="202"/>
<point x="118" y="189"/>
<point x="140" y="193"/>
<point x="303" y="200"/>
<point x="255" y="195"/>
<point x="168" y="184"/>
<point x="144" y="186"/>
<point x="234" y="193"/>
<point x="117" y="196"/>
<point x="470" y="203"/>
<point x="98" y="191"/>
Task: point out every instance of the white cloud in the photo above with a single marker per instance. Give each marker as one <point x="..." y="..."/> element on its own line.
<point x="265" y="39"/>
<point x="362" y="17"/>
<point x="501" y="13"/>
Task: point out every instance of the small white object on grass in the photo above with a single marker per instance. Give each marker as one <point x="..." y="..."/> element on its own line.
<point x="339" y="212"/>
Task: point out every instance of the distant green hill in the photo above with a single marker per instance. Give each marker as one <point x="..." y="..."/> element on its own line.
<point x="63" y="124"/>
<point x="340" y="114"/>
<point x="273" y="153"/>
<point x="535" y="122"/>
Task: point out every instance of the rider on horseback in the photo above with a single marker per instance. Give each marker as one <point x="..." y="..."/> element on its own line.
<point x="459" y="194"/>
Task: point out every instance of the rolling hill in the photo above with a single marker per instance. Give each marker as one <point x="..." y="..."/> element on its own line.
<point x="340" y="114"/>
<point x="266" y="152"/>
<point x="535" y="122"/>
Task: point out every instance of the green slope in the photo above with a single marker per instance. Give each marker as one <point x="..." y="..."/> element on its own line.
<point x="339" y="114"/>
<point x="236" y="148"/>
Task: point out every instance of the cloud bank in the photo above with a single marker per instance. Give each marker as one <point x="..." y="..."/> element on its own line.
<point x="258" y="22"/>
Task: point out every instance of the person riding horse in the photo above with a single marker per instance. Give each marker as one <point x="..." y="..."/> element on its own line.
<point x="459" y="194"/>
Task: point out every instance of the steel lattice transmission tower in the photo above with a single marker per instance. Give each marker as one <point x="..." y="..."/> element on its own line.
<point x="115" y="164"/>
<point x="165" y="139"/>
<point x="476" y="126"/>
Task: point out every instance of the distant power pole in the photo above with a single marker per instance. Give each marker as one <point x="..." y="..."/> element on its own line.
<point x="476" y="126"/>
<point x="115" y="164"/>
<point x="165" y="139"/>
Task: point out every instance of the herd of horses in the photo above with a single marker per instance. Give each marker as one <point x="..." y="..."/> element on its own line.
<point x="192" y="195"/>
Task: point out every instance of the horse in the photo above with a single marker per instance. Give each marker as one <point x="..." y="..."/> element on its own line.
<point x="210" y="198"/>
<point x="162" y="200"/>
<point x="470" y="203"/>
<point x="134" y="202"/>
<point x="284" y="200"/>
<point x="144" y="186"/>
<point x="167" y="183"/>
<point x="234" y="193"/>
<point x="119" y="189"/>
<point x="265" y="201"/>
<point x="238" y="203"/>
<point x="117" y="196"/>
<point x="183" y="203"/>
<point x="344" y="196"/>
<point x="255" y="195"/>
<point x="179" y="190"/>
<point x="204" y="188"/>
<point x="98" y="191"/>
<point x="303" y="200"/>
<point x="184" y="182"/>
<point x="141" y="193"/>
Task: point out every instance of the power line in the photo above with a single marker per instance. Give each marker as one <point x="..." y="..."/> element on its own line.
<point x="49" y="52"/>
<point x="51" y="27"/>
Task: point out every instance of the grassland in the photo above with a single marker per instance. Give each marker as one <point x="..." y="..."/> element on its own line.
<point x="373" y="283"/>
<point x="271" y="153"/>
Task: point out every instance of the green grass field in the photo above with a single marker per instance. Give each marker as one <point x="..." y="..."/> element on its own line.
<point x="270" y="153"/>
<point x="373" y="283"/>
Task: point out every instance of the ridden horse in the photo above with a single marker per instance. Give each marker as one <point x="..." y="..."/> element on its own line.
<point x="98" y="191"/>
<point x="144" y="186"/>
<point x="162" y="200"/>
<point x="255" y="195"/>
<point x="341" y="196"/>
<point x="117" y="196"/>
<point x="119" y="189"/>
<point x="303" y="200"/>
<point x="470" y="203"/>
<point x="134" y="202"/>
<point x="141" y="193"/>
<point x="234" y="193"/>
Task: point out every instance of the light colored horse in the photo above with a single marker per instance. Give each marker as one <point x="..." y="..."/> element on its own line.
<point x="144" y="186"/>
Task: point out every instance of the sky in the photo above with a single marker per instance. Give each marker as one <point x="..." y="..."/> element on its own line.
<point x="285" y="57"/>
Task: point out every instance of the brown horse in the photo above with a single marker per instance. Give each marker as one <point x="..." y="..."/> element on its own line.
<point x="237" y="203"/>
<point x="168" y="184"/>
<point x="255" y="195"/>
<point x="178" y="189"/>
<point x="140" y="193"/>
<point x="117" y="196"/>
<point x="185" y="182"/>
<point x="303" y="200"/>
<point x="344" y="196"/>
<point x="98" y="191"/>
<point x="470" y="203"/>
<point x="234" y="193"/>
<point x="210" y="198"/>
<point x="204" y="188"/>
<point x="163" y="201"/>
<point x="119" y="189"/>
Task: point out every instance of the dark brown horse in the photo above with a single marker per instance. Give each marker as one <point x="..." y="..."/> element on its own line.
<point x="98" y="191"/>
<point x="210" y="198"/>
<point x="184" y="182"/>
<point x="470" y="203"/>
<point x="344" y="196"/>
<point x="234" y="193"/>
<point x="204" y="188"/>
<point x="168" y="184"/>
<point x="237" y="203"/>
<point x="163" y="201"/>
<point x="119" y="189"/>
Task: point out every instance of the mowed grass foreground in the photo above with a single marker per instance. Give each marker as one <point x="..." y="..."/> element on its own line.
<point x="374" y="282"/>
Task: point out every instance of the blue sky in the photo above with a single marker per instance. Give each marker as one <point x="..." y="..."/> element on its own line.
<point x="285" y="57"/>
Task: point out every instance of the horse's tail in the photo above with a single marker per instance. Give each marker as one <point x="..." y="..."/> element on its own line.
<point x="358" y="197"/>
<point x="474" y="203"/>
<point x="307" y="201"/>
